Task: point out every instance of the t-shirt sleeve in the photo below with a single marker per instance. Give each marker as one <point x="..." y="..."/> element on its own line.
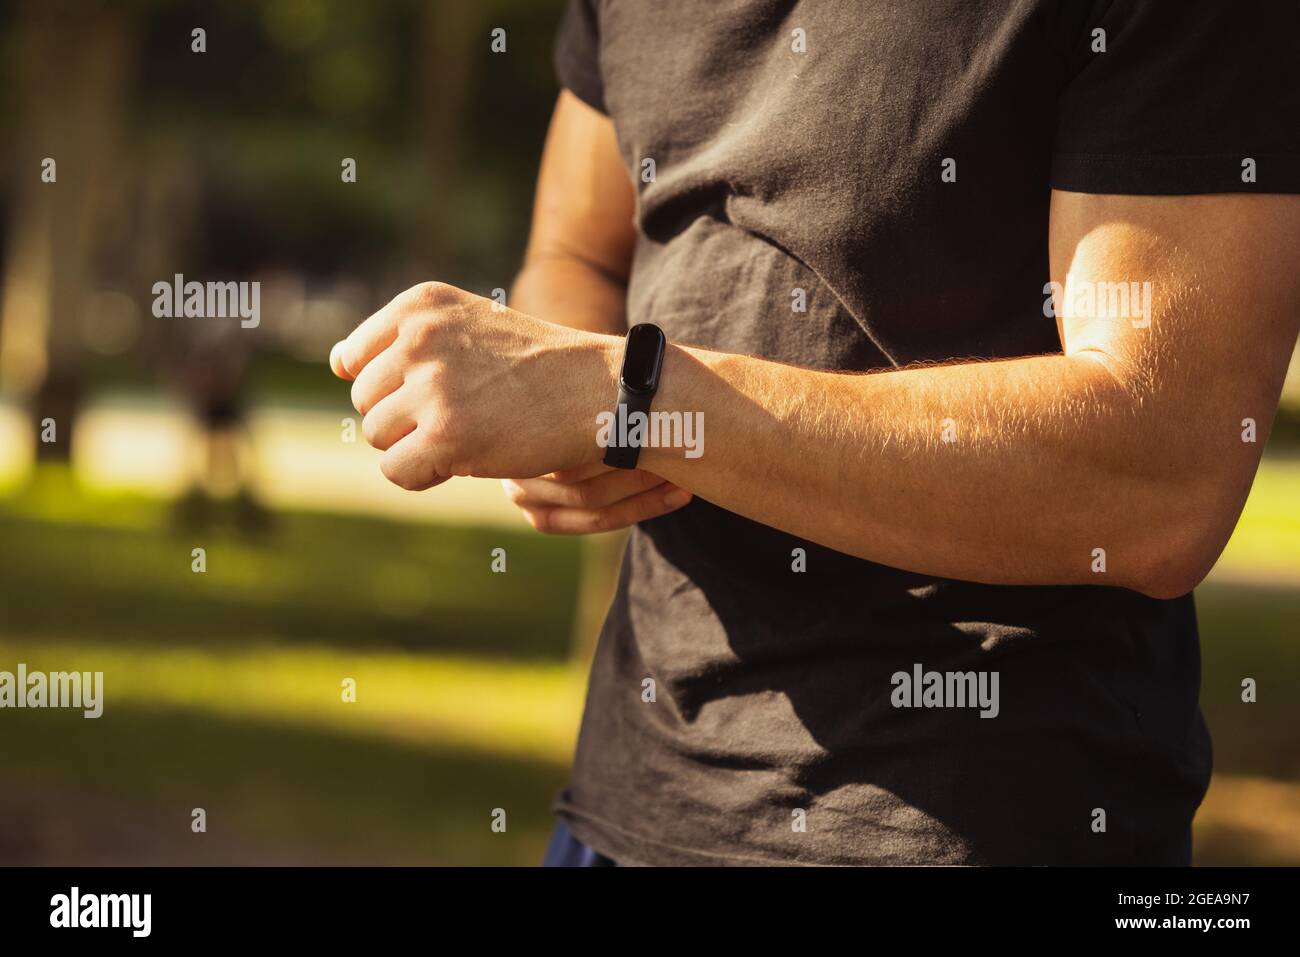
<point x="577" y="53"/>
<point x="1187" y="97"/>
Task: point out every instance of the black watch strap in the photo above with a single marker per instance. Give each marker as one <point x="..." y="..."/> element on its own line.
<point x="643" y="356"/>
<point x="625" y="456"/>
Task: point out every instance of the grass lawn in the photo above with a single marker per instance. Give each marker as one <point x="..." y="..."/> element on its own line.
<point x="225" y="686"/>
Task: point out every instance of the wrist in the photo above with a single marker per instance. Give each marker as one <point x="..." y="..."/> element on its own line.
<point x="601" y="358"/>
<point x="680" y="440"/>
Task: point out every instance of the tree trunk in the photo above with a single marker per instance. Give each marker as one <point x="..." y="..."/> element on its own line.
<point x="71" y="78"/>
<point x="448" y="30"/>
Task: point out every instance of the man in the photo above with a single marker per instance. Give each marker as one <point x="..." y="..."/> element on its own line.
<point x="940" y="613"/>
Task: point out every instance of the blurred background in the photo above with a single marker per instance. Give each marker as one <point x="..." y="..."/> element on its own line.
<point x="223" y="688"/>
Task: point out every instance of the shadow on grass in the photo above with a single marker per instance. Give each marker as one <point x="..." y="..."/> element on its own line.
<point x="121" y="790"/>
<point x="1251" y="815"/>
<point x="319" y="578"/>
<point x="1251" y="632"/>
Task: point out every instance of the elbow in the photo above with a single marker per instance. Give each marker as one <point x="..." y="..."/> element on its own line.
<point x="1177" y="552"/>
<point x="1168" y="576"/>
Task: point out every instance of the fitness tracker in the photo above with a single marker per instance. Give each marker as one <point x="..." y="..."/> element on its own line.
<point x="643" y="357"/>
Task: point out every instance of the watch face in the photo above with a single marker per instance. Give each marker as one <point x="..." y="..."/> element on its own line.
<point x="643" y="357"/>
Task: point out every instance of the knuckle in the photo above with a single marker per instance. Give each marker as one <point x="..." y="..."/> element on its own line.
<point x="417" y="333"/>
<point x="582" y="496"/>
<point x="441" y="432"/>
<point x="429" y="376"/>
<point x="647" y="480"/>
<point x="408" y="478"/>
<point x="416" y="483"/>
<point x="431" y="295"/>
<point x="390" y="472"/>
<point x="442" y="451"/>
<point x="372" y="432"/>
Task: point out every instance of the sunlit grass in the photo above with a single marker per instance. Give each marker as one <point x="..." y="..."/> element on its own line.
<point x="1266" y="542"/>
<point x="521" y="710"/>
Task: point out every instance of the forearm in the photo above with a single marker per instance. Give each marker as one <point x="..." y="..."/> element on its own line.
<point x="1008" y="472"/>
<point x="570" y="292"/>
<point x="1123" y="461"/>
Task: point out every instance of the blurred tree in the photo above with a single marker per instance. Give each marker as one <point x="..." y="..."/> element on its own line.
<point x="71" y="78"/>
<point x="447" y="32"/>
<point x="227" y="164"/>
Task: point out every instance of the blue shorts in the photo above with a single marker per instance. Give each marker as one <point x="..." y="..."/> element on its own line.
<point x="565" y="850"/>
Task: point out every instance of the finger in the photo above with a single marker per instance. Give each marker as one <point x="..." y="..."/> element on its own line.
<point x="336" y="361"/>
<point x="379" y="378"/>
<point x="559" y="520"/>
<point x="581" y="473"/>
<point x="408" y="464"/>
<point x="379" y="331"/>
<point x="391" y="420"/>
<point x="597" y="492"/>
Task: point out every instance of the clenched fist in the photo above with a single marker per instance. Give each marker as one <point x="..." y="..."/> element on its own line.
<point x="450" y="383"/>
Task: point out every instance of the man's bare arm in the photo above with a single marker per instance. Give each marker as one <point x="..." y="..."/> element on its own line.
<point x="580" y="245"/>
<point x="1130" y="441"/>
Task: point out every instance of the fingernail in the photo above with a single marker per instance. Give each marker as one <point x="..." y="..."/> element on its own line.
<point x="677" y="498"/>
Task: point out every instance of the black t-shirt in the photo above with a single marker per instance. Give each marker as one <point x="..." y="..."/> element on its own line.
<point x="804" y="146"/>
